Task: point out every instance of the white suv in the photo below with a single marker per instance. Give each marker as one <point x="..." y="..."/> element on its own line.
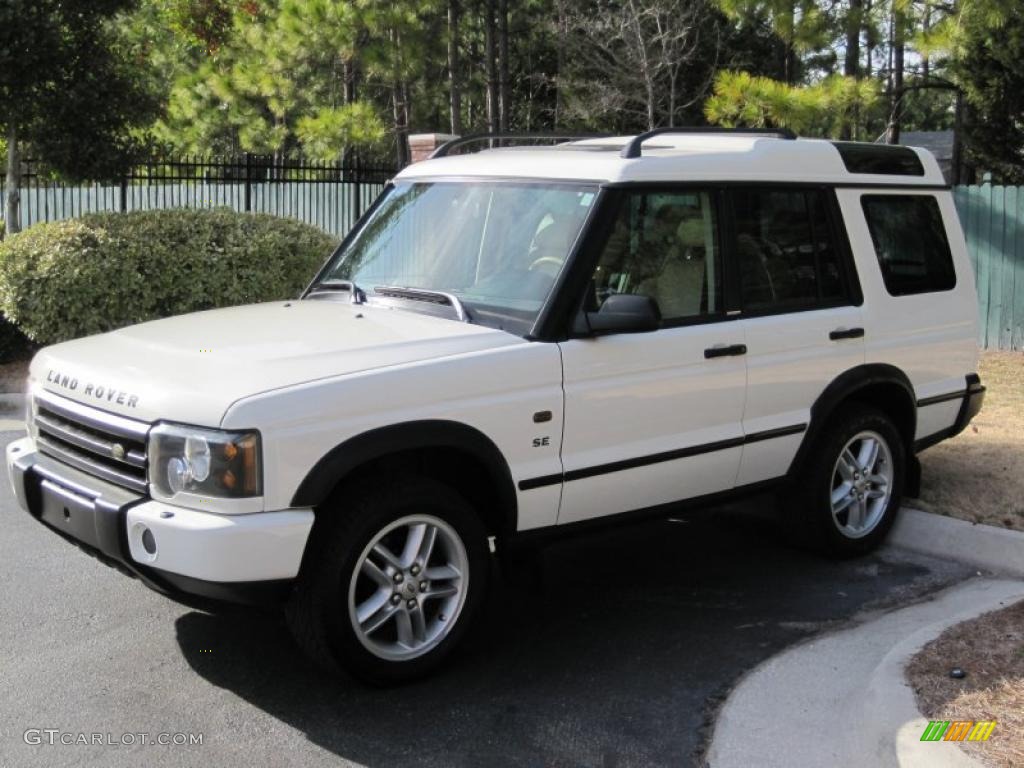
<point x="515" y="341"/>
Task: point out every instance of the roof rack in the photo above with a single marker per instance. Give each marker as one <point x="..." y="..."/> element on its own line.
<point x="633" y="148"/>
<point x="445" y="149"/>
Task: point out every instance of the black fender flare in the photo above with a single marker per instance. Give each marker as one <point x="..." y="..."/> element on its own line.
<point x="845" y="386"/>
<point x="412" y="435"/>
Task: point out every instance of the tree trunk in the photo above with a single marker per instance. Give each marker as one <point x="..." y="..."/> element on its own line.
<point x="401" y="128"/>
<point x="400" y="110"/>
<point x="504" y="84"/>
<point x="454" y="84"/>
<point x="492" y="75"/>
<point x="472" y="101"/>
<point x="652" y="117"/>
<point x="349" y="75"/>
<point x="672" y="101"/>
<point x="789" y="55"/>
<point x="925" y="59"/>
<point x="530" y="91"/>
<point x="13" y="215"/>
<point x="636" y="40"/>
<point x="406" y="106"/>
<point x="958" y="140"/>
<point x="560" y="61"/>
<point x="896" y="103"/>
<point x="851" y="67"/>
<point x="869" y="43"/>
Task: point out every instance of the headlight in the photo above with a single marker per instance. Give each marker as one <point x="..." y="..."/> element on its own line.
<point x="204" y="462"/>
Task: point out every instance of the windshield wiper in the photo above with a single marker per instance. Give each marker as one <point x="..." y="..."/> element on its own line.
<point x="358" y="296"/>
<point x="428" y="295"/>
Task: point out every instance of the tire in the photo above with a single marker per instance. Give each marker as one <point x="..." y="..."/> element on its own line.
<point x="838" y="509"/>
<point x="396" y="618"/>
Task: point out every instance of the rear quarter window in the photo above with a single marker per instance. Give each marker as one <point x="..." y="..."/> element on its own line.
<point x="910" y="243"/>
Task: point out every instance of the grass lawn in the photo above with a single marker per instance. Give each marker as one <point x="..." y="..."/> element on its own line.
<point x="979" y="475"/>
<point x="990" y="649"/>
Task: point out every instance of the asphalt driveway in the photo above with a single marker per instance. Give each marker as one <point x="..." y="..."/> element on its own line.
<point x="618" y="661"/>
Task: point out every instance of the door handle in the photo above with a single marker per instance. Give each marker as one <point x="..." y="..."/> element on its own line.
<point x="725" y="350"/>
<point x="846" y="333"/>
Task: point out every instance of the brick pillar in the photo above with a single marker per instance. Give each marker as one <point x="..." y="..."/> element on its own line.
<point x="422" y="144"/>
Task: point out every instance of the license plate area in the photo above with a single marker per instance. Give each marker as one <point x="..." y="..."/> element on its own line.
<point x="69" y="512"/>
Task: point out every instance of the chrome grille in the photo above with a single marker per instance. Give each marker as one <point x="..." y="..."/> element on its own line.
<point x="101" y="444"/>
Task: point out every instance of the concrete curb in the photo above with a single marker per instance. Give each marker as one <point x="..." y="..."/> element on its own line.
<point x="999" y="550"/>
<point x="845" y="694"/>
<point x="888" y="698"/>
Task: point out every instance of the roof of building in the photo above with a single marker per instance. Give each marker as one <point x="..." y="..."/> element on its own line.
<point x="694" y="157"/>
<point x="939" y="143"/>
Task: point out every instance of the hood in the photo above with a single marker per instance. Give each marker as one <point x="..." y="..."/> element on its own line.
<point x="190" y="368"/>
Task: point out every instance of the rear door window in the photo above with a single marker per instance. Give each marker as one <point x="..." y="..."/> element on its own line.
<point x="910" y="242"/>
<point x="786" y="252"/>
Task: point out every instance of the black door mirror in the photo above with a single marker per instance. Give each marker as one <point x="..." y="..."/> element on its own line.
<point x="624" y="313"/>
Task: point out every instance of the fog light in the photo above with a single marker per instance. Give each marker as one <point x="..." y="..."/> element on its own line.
<point x="148" y="542"/>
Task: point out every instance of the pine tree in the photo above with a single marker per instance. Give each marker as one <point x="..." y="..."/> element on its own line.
<point x="804" y="26"/>
<point x="990" y="70"/>
<point x="282" y="78"/>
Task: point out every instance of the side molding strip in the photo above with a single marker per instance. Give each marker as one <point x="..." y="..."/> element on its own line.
<point x="941" y="398"/>
<point x="970" y="403"/>
<point x="657" y="458"/>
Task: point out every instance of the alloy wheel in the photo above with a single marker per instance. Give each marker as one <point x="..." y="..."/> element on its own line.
<point x="408" y="587"/>
<point x="862" y="483"/>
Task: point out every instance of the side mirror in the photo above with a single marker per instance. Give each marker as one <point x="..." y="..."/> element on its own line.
<point x="624" y="313"/>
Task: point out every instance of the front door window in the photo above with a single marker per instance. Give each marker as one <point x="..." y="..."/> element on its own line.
<point x="664" y="245"/>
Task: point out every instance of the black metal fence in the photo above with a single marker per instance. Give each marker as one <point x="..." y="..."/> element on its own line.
<point x="327" y="195"/>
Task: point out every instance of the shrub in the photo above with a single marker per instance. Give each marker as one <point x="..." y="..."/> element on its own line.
<point x="104" y="271"/>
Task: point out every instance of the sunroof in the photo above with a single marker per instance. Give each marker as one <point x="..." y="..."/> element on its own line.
<point x="879" y="158"/>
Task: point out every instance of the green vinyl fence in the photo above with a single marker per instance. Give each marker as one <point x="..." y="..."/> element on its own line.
<point x="993" y="222"/>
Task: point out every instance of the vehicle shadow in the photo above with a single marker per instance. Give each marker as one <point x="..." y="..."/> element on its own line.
<point x="616" y="661"/>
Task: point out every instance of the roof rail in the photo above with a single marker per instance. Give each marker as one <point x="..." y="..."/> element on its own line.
<point x="632" y="149"/>
<point x="445" y="149"/>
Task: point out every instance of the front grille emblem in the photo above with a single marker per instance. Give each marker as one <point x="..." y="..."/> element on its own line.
<point x="117" y="451"/>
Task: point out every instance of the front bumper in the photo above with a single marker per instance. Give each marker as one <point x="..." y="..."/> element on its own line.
<point x="251" y="558"/>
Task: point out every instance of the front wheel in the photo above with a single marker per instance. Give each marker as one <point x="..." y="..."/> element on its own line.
<point x="848" y="497"/>
<point x="409" y="587"/>
<point x="394" y="578"/>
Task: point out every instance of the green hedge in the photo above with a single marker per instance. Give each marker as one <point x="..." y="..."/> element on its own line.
<point x="74" y="278"/>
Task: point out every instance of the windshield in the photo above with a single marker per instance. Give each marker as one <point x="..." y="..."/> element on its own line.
<point x="496" y="246"/>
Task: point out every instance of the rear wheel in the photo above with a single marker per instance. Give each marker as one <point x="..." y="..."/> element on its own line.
<point x="850" y="492"/>
<point x="396" y="573"/>
<point x="862" y="481"/>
